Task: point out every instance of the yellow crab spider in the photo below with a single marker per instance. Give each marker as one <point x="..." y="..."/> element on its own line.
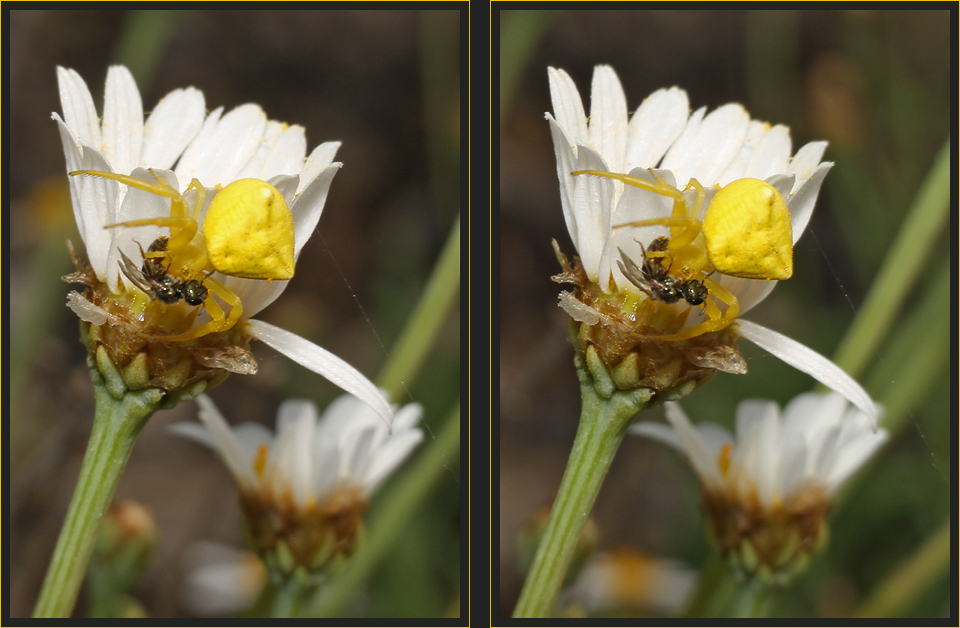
<point x="247" y="232"/>
<point x="745" y="232"/>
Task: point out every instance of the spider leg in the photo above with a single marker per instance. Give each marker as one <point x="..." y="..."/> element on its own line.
<point x="715" y="320"/>
<point x="218" y="320"/>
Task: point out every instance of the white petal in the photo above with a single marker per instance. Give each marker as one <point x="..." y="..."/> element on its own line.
<point x="806" y="160"/>
<point x="592" y="206"/>
<point x="71" y="150"/>
<point x="854" y="455"/>
<point x="78" y="111"/>
<point x="809" y="361"/>
<point x="97" y="198"/>
<point x="234" y="455"/>
<point x="308" y="207"/>
<point x="321" y="361"/>
<point x="566" y="163"/>
<point x="301" y="456"/>
<point x="700" y="457"/>
<point x="216" y="158"/>
<point x="752" y="412"/>
<point x="771" y="155"/>
<point x="802" y="202"/>
<point x="318" y="161"/>
<point x="738" y="167"/>
<point x="567" y="105"/>
<point x="122" y="132"/>
<point x="389" y="456"/>
<point x="608" y="118"/>
<point x="655" y="126"/>
<point x="706" y="150"/>
<point x="327" y="464"/>
<point x="749" y="292"/>
<point x="196" y="432"/>
<point x="357" y="454"/>
<point x="171" y="126"/>
<point x="252" y="436"/>
<point x="660" y="432"/>
<point x="407" y="417"/>
<point x="281" y="151"/>
<point x="767" y="465"/>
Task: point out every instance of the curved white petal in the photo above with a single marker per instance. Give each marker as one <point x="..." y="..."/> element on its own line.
<point x="234" y="455"/>
<point x="655" y="126"/>
<point x="321" y="361"/>
<point x="802" y="202"/>
<point x="566" y="163"/>
<point x="171" y="126"/>
<point x="771" y="154"/>
<point x="706" y="149"/>
<point x="308" y="206"/>
<point x="218" y="155"/>
<point x="592" y="204"/>
<point x="389" y="456"/>
<point x="79" y="113"/>
<point x="121" y="139"/>
<point x="806" y="160"/>
<point x="696" y="449"/>
<point x="608" y="118"/>
<point x="567" y="105"/>
<point x="809" y="361"/>
<point x="318" y="161"/>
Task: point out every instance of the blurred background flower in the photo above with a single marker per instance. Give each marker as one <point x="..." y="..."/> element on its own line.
<point x="876" y="85"/>
<point x="387" y="85"/>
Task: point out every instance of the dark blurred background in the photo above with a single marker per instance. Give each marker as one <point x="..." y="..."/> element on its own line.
<point x="877" y="86"/>
<point x="386" y="84"/>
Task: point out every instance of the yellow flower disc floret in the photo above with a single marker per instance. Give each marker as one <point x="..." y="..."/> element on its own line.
<point x="748" y="231"/>
<point x="249" y="231"/>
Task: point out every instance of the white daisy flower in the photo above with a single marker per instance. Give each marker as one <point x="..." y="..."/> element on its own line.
<point x="767" y="490"/>
<point x="698" y="268"/>
<point x="315" y="475"/>
<point x="220" y="579"/>
<point x="177" y="144"/>
<point x="626" y="579"/>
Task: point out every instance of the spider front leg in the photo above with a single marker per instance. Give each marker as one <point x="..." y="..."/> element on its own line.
<point x="182" y="222"/>
<point x="684" y="224"/>
<point x="715" y="320"/>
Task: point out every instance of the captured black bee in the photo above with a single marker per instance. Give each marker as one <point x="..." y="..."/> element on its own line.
<point x="153" y="278"/>
<point x="656" y="281"/>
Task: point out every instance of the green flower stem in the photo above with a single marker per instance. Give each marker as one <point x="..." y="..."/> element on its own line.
<point x="894" y="595"/>
<point x="753" y="600"/>
<point x="714" y="587"/>
<point x="388" y="522"/>
<point x="425" y="322"/>
<point x="289" y="597"/>
<point x="143" y="40"/>
<point x="904" y="263"/>
<point x="118" y="421"/>
<point x="603" y="422"/>
<point x="520" y="32"/>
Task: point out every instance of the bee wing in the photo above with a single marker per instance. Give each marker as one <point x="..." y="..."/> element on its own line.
<point x="134" y="274"/>
<point x="633" y="272"/>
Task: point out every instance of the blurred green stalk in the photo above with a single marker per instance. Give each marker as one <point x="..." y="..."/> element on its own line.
<point x="895" y="594"/>
<point x="901" y="268"/>
<point x="142" y="42"/>
<point x="426" y="320"/>
<point x="520" y="32"/>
